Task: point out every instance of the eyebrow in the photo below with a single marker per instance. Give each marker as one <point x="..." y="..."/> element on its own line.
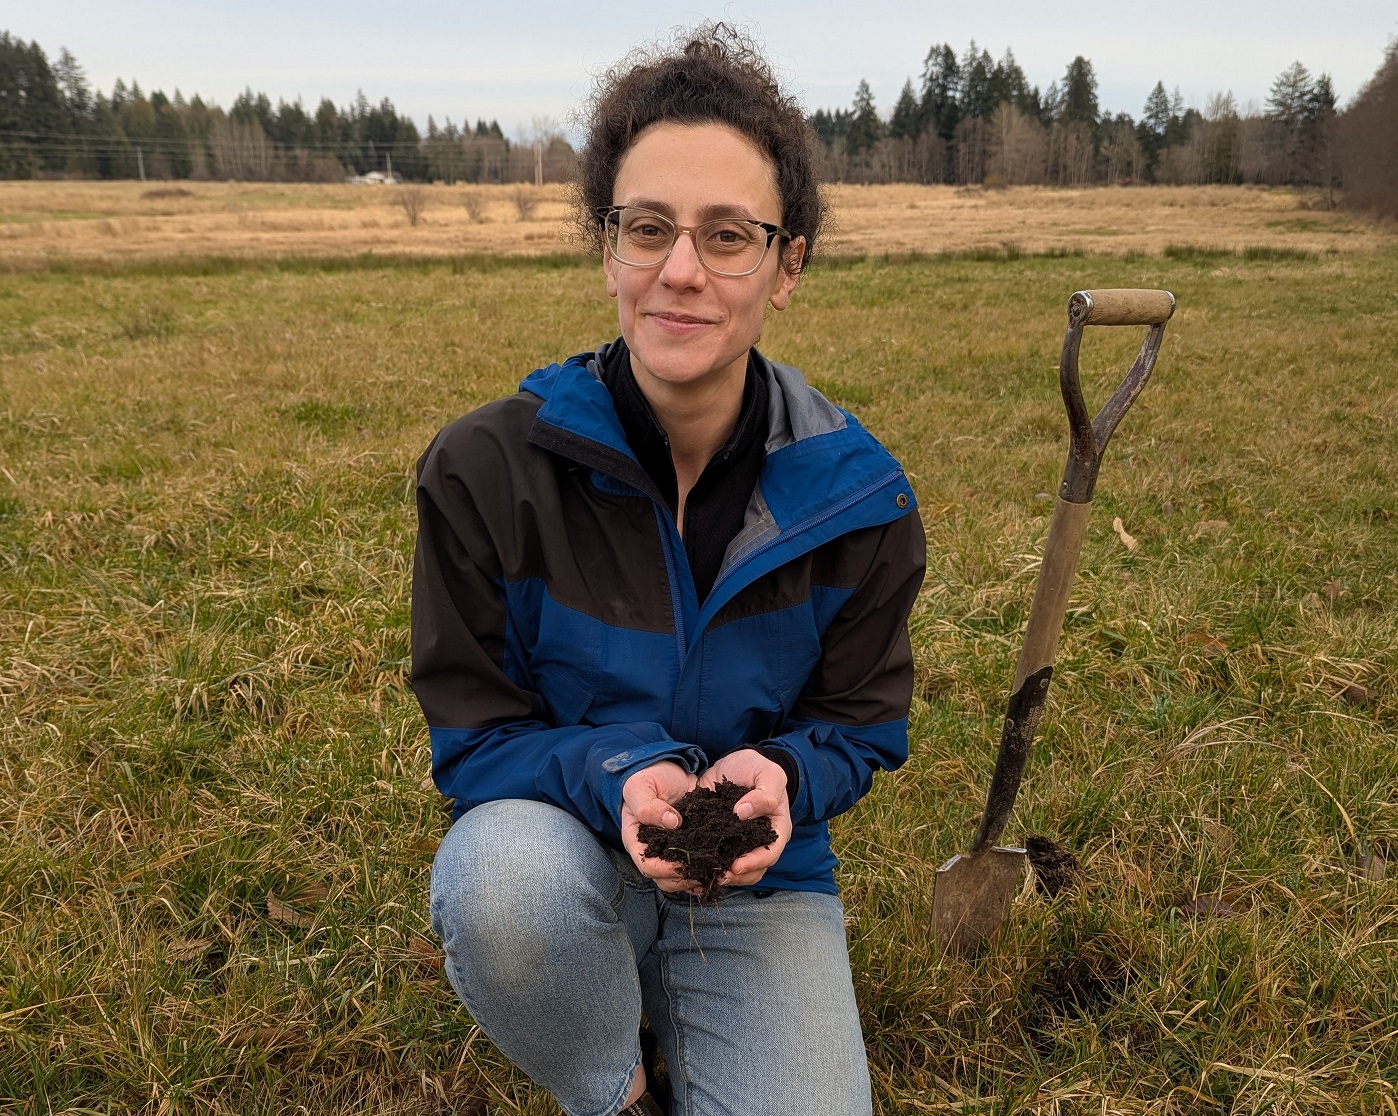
<point x="706" y="213"/>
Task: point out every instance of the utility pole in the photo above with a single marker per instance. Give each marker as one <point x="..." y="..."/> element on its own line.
<point x="388" y="162"/>
<point x="538" y="163"/>
<point x="140" y="164"/>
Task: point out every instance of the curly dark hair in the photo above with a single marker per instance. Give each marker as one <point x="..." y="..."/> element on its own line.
<point x="712" y="74"/>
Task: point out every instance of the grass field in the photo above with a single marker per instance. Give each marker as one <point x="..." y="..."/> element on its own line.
<point x="55" y="224"/>
<point x="215" y="817"/>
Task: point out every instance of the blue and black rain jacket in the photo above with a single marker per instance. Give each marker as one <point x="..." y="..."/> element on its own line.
<point x="558" y="644"/>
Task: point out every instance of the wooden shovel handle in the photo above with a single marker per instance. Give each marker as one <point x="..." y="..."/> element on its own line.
<point x="1121" y="306"/>
<point x="1034" y="670"/>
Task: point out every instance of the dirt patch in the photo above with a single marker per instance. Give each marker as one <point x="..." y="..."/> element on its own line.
<point x="710" y="837"/>
<point x="1078" y="984"/>
<point x="1055" y="868"/>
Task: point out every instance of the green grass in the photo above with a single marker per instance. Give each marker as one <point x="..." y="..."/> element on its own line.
<point x="215" y="818"/>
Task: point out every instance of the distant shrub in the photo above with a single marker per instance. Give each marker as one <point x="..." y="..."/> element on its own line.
<point x="526" y="200"/>
<point x="412" y="200"/>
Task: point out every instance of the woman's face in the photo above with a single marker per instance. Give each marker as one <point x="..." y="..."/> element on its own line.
<point x="683" y="324"/>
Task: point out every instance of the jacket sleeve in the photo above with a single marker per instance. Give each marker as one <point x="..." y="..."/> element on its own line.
<point x="492" y="736"/>
<point x="852" y="716"/>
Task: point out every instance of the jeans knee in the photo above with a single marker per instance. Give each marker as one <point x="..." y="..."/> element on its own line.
<point x="512" y="870"/>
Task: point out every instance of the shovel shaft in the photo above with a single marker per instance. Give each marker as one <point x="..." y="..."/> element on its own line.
<point x="1088" y="442"/>
<point x="1035" y="668"/>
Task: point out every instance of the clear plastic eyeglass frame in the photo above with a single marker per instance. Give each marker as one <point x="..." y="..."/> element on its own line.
<point x="610" y="218"/>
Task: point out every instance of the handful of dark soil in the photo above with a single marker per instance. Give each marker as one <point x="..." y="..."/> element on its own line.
<point x="710" y="837"/>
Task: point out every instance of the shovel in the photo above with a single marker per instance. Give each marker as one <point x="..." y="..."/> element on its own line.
<point x="974" y="889"/>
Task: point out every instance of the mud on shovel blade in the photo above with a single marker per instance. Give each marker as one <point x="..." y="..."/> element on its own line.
<point x="974" y="889"/>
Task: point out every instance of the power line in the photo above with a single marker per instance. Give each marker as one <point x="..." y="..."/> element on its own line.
<point x="175" y="144"/>
<point x="181" y="143"/>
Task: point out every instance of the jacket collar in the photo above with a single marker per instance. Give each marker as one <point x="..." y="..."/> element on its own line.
<point x="578" y="403"/>
<point x="824" y="474"/>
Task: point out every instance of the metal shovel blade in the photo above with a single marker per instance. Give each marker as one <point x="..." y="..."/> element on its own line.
<point x="972" y="896"/>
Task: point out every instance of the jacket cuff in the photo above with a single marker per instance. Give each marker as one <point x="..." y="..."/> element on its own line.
<point x="608" y="773"/>
<point x="787" y="762"/>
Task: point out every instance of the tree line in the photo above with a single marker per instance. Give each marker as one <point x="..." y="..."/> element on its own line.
<point x="976" y="120"/>
<point x="971" y="119"/>
<point x="52" y="123"/>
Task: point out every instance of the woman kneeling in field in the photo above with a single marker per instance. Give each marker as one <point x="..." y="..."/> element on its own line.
<point x="662" y="564"/>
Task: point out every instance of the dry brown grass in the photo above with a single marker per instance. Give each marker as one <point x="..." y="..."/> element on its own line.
<point x="46" y="221"/>
<point x="1094" y="221"/>
<point x="43" y="222"/>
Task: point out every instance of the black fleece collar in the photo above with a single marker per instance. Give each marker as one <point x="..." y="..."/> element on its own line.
<point x="716" y="506"/>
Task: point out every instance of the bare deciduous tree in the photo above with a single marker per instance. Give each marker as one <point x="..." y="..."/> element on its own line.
<point x="1019" y="147"/>
<point x="412" y="200"/>
<point x="1368" y="142"/>
<point x="474" y="203"/>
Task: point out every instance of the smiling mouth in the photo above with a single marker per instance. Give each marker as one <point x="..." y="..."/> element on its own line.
<point x="680" y="319"/>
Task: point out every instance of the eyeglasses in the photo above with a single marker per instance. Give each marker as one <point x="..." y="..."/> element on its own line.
<point x="727" y="246"/>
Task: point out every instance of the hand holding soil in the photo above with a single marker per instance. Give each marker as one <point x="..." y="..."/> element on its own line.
<point x="647" y="798"/>
<point x="711" y="837"/>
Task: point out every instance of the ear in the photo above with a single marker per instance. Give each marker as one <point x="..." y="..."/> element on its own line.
<point x="609" y="267"/>
<point x="788" y="273"/>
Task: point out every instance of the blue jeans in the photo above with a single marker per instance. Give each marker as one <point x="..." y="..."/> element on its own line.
<point x="555" y="943"/>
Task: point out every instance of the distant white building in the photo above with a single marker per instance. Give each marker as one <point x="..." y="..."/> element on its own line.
<point x="376" y="178"/>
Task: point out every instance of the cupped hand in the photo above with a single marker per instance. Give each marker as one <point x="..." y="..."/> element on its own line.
<point x="647" y="798"/>
<point x="766" y="798"/>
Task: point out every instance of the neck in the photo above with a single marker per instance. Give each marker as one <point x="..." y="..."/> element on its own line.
<point x="697" y="417"/>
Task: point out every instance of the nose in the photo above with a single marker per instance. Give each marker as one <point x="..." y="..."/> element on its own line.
<point x="683" y="268"/>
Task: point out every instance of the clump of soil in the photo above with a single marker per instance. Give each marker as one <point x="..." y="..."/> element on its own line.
<point x="1055" y="868"/>
<point x="710" y="837"/>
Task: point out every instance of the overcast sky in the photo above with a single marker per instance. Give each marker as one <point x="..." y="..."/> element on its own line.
<point x="516" y="62"/>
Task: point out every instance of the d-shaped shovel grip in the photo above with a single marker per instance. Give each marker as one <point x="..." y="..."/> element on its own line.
<point x="1067" y="529"/>
<point x="1090" y="436"/>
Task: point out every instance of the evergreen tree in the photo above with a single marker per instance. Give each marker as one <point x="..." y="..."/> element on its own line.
<point x="865" y="129"/>
<point x="941" y="91"/>
<point x="32" y="111"/>
<point x="1154" y="126"/>
<point x="1008" y="83"/>
<point x="906" y="122"/>
<point x="1322" y="98"/>
<point x="1291" y="96"/>
<point x="72" y="86"/>
<point x="977" y="94"/>
<point x="830" y="126"/>
<point x="1177" y="131"/>
<point x="1080" y="93"/>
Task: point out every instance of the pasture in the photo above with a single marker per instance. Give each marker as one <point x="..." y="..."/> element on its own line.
<point x="215" y="816"/>
<point x="66" y="223"/>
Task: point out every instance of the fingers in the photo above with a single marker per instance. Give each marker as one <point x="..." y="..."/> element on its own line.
<point x="656" y="811"/>
<point x="665" y="874"/>
<point x="760" y="802"/>
<point x="749" y="867"/>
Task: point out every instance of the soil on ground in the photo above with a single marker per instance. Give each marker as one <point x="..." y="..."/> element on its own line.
<point x="1055" y="868"/>
<point x="710" y="837"/>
